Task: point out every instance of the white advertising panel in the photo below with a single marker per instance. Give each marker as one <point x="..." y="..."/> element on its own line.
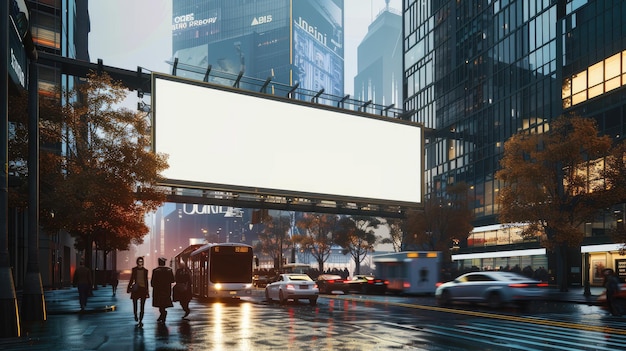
<point x="219" y="136"/>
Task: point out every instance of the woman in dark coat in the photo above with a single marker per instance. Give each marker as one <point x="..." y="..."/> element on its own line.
<point x="182" y="289"/>
<point x="162" y="279"/>
<point x="138" y="289"/>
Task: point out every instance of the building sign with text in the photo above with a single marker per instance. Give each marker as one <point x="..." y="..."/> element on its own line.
<point x="17" y="57"/>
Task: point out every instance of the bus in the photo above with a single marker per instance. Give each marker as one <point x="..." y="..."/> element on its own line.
<point x="409" y="272"/>
<point x="221" y="270"/>
<point x="296" y="268"/>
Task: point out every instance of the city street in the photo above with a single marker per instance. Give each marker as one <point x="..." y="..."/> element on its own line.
<point x="338" y="322"/>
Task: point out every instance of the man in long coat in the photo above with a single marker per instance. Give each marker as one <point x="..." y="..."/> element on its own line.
<point x="162" y="279"/>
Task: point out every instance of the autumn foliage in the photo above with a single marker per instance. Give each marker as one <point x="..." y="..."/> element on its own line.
<point x="98" y="175"/>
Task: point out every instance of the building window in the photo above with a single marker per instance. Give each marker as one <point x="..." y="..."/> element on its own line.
<point x="597" y="79"/>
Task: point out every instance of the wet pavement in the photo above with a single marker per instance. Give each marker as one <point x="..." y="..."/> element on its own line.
<point x="108" y="324"/>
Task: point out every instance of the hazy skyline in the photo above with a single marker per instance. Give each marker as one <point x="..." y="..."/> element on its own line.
<point x="127" y="34"/>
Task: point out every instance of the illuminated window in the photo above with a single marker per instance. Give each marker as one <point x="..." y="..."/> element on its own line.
<point x="612" y="68"/>
<point x="599" y="78"/>
<point x="579" y="82"/>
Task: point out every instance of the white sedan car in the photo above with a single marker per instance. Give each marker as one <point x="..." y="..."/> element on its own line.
<point x="495" y="288"/>
<point x="293" y="286"/>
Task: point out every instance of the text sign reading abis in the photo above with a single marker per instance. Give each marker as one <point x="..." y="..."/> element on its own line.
<point x="216" y="135"/>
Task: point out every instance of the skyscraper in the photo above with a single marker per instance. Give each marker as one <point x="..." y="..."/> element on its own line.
<point x="293" y="42"/>
<point x="477" y="72"/>
<point x="379" y="61"/>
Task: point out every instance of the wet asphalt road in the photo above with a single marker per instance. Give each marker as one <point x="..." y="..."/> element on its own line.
<point x="350" y="322"/>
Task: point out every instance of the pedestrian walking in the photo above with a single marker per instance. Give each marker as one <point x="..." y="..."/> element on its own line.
<point x="611" y="284"/>
<point x="82" y="280"/>
<point x="162" y="279"/>
<point x="138" y="289"/>
<point x="115" y="280"/>
<point x="182" y="289"/>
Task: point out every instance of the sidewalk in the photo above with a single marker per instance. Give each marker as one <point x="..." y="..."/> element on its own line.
<point x="65" y="301"/>
<point x="576" y="295"/>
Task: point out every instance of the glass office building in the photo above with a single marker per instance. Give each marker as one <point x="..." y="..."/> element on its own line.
<point x="477" y="72"/>
<point x="293" y="42"/>
<point x="58" y="27"/>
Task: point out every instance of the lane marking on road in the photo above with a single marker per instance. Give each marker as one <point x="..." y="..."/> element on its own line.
<point x="531" y="320"/>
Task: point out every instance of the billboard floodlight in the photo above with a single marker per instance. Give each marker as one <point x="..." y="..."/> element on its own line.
<point x="267" y="81"/>
<point x="317" y="95"/>
<point x="293" y="88"/>
<point x="236" y="85"/>
<point x="343" y="99"/>
<point x="206" y="74"/>
<point x="175" y="66"/>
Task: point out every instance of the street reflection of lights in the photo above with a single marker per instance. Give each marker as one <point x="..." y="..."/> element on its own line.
<point x="246" y="327"/>
<point x="218" y="332"/>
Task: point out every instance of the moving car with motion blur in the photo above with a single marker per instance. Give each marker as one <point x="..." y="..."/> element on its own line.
<point x="327" y="283"/>
<point x="366" y="284"/>
<point x="292" y="286"/>
<point x="494" y="288"/>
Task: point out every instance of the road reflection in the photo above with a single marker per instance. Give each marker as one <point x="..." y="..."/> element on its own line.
<point x="218" y="332"/>
<point x="234" y="319"/>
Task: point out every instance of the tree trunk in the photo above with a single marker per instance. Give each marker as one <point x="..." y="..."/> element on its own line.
<point x="357" y="260"/>
<point x="561" y="267"/>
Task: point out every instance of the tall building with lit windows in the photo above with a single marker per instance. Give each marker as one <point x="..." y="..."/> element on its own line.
<point x="293" y="42"/>
<point x="477" y="72"/>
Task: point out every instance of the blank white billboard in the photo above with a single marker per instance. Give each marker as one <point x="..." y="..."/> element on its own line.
<point x="229" y="138"/>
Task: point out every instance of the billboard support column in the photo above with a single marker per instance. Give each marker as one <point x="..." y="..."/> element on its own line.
<point x="9" y="320"/>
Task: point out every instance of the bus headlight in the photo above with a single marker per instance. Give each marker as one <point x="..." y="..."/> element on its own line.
<point x="218" y="286"/>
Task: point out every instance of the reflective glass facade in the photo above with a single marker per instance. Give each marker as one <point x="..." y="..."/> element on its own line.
<point x="477" y="72"/>
<point x="60" y="27"/>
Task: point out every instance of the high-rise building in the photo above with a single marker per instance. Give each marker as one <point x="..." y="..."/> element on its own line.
<point x="293" y="42"/>
<point x="379" y="61"/>
<point x="477" y="72"/>
<point x="59" y="27"/>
